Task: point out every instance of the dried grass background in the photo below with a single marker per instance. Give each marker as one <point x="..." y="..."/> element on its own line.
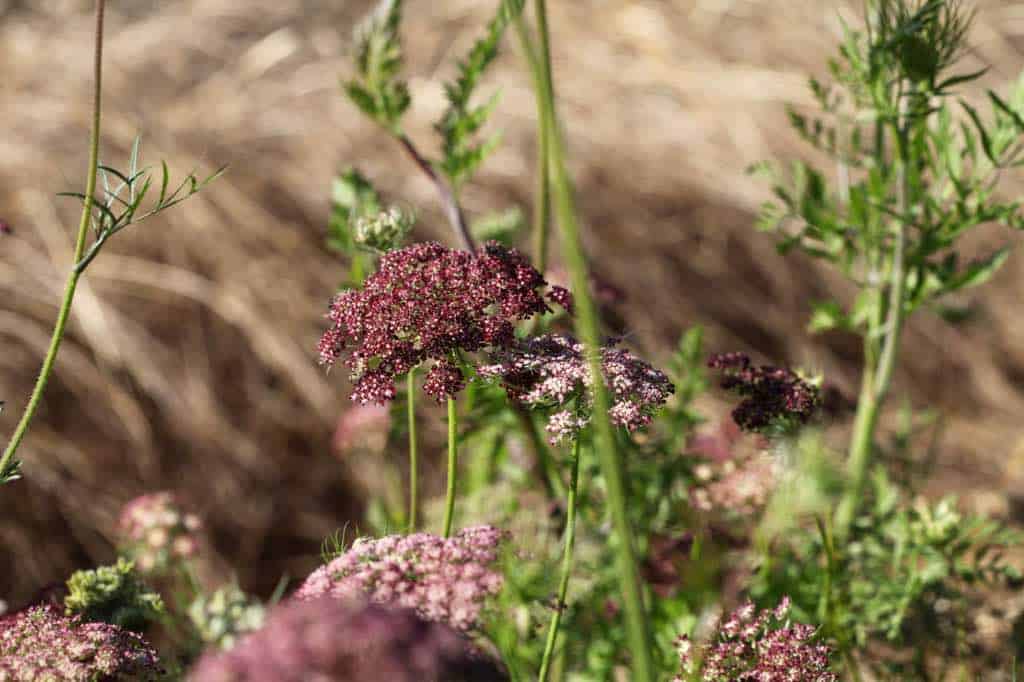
<point x="189" y="364"/>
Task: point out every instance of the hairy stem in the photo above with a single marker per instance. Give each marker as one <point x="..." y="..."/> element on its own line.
<point x="563" y="582"/>
<point x="414" y="484"/>
<point x="453" y="467"/>
<point x="637" y="627"/>
<point x="452" y="209"/>
<point x="64" y="311"/>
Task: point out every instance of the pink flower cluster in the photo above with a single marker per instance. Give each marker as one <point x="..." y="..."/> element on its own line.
<point x="773" y="396"/>
<point x="425" y="303"/>
<point x="758" y="646"/>
<point x="737" y="475"/>
<point x="157" y="533"/>
<point x="41" y="643"/>
<point x="550" y="370"/>
<point x="444" y="580"/>
<point x="334" y="641"/>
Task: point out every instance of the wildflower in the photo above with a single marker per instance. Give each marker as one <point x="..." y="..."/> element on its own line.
<point x="336" y="641"/>
<point x="363" y="427"/>
<point x="157" y="533"/>
<point x="444" y="580"/>
<point x="773" y="396"/>
<point x="383" y="232"/>
<point x="220" y="618"/>
<point x="551" y="370"/>
<point x="41" y="643"/>
<point x="752" y="646"/>
<point x="737" y="476"/>
<point x="427" y="302"/>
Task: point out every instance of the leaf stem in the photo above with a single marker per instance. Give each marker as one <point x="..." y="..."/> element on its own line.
<point x="453" y="468"/>
<point x="606" y="445"/>
<point x="413" y="449"/>
<point x="563" y="583"/>
<point x="7" y="460"/>
<point x="452" y="209"/>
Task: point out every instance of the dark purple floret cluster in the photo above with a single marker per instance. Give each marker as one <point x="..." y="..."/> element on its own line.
<point x="41" y="643"/>
<point x="773" y="395"/>
<point x="444" y="580"/>
<point x="335" y="641"/>
<point x="758" y="646"/>
<point x="426" y="302"/>
<point x="550" y="370"/>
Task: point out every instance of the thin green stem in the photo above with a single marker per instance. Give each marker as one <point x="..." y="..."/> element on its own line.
<point x="72" y="283"/>
<point x="542" y="200"/>
<point x="563" y="582"/>
<point x="414" y="484"/>
<point x="453" y="467"/>
<point x="638" y="630"/>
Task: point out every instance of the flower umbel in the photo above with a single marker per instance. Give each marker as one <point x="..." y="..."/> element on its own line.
<point x="336" y="641"/>
<point x="426" y="302"/>
<point x="41" y="643"/>
<point x="752" y="646"/>
<point x="444" y="580"/>
<point x="774" y="396"/>
<point x="157" y="532"/>
<point x="551" y="370"/>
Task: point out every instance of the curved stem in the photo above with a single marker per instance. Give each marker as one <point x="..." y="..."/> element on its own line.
<point x="641" y="643"/>
<point x="413" y="449"/>
<point x="453" y="468"/>
<point x="7" y="460"/>
<point x="563" y="583"/>
<point x="452" y="209"/>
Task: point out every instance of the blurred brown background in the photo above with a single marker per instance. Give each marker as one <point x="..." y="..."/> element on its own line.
<point x="190" y="360"/>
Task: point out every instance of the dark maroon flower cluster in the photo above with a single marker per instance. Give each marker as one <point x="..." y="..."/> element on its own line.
<point x="550" y="370"/>
<point x="41" y="643"/>
<point x="753" y="646"/>
<point x="773" y="395"/>
<point x="427" y="302"/>
<point x="335" y="641"/>
<point x="447" y="580"/>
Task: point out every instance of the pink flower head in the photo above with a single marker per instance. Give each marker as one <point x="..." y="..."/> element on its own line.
<point x="773" y="396"/>
<point x="444" y="580"/>
<point x="41" y="643"/>
<point x="551" y="370"/>
<point x="758" y="646"/>
<point x="329" y="640"/>
<point x="157" y="532"/>
<point x="425" y="303"/>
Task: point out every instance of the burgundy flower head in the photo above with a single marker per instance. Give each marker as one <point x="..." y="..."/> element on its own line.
<point x="335" y="641"/>
<point x="773" y="395"/>
<point x="548" y="371"/>
<point x="425" y="303"/>
<point x="444" y="580"/>
<point x="41" y="643"/>
<point x="752" y="646"/>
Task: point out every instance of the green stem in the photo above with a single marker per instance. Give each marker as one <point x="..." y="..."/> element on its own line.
<point x="542" y="202"/>
<point x="413" y="449"/>
<point x="453" y="462"/>
<point x="563" y="583"/>
<point x="638" y="630"/>
<point x="83" y="227"/>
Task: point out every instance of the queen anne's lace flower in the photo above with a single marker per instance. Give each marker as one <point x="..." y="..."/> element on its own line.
<point x="444" y="580"/>
<point x="329" y="640"/>
<point x="425" y="303"/>
<point x="157" y="532"/>
<point x="772" y="395"/>
<point x="550" y="370"/>
<point x="41" y="643"/>
<point x="752" y="646"/>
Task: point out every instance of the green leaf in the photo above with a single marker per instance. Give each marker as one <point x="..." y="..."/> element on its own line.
<point x="826" y="316"/>
<point x="979" y="272"/>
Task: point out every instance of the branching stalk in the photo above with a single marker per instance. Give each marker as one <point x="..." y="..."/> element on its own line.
<point x="563" y="582"/>
<point x="638" y="630"/>
<point x="7" y="460"/>
<point x="452" y="209"/>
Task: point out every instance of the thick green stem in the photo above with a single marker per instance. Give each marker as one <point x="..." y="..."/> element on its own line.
<point x="83" y="228"/>
<point x="453" y="467"/>
<point x="638" y="630"/>
<point x="414" y="484"/>
<point x="563" y="582"/>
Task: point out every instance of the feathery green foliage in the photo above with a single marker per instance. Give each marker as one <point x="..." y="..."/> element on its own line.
<point x="376" y="88"/>
<point x="113" y="594"/>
